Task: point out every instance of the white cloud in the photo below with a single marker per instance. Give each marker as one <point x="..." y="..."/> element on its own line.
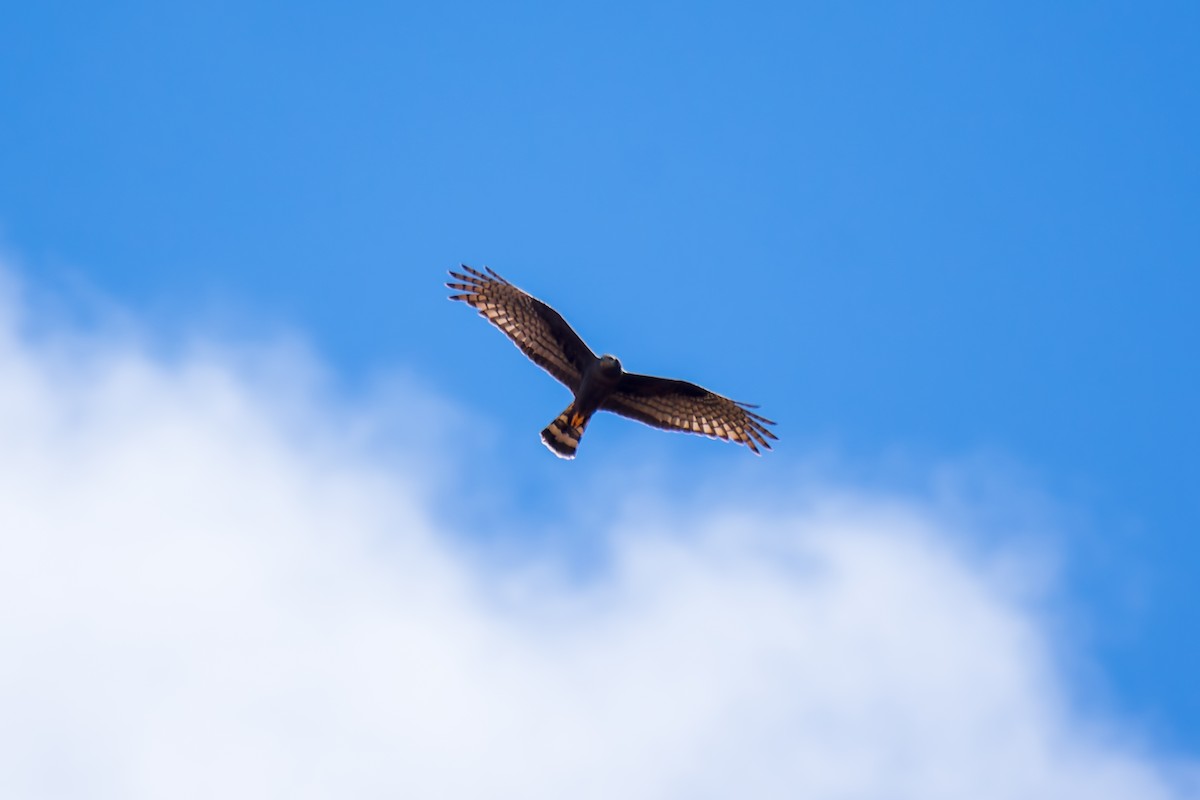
<point x="206" y="590"/>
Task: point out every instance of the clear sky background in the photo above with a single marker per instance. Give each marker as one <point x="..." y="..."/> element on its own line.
<point x="926" y="238"/>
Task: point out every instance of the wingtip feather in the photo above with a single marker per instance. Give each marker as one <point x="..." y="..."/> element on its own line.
<point x="478" y="275"/>
<point x="497" y="276"/>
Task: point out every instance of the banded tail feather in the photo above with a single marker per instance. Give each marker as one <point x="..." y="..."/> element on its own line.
<point x="563" y="434"/>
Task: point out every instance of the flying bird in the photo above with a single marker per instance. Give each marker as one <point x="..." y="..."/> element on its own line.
<point x="599" y="383"/>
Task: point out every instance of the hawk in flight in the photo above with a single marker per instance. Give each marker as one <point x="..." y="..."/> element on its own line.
<point x="600" y="383"/>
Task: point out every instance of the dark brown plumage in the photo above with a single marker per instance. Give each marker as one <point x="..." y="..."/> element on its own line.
<point x="599" y="383"/>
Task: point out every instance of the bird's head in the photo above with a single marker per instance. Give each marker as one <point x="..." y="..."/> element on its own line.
<point x="610" y="365"/>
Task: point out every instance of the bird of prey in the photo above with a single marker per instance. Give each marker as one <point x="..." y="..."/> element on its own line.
<point x="599" y="384"/>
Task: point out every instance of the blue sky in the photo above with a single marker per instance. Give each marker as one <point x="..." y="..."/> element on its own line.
<point x="918" y="235"/>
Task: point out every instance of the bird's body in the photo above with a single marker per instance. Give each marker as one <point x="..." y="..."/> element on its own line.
<point x="599" y="383"/>
<point x="600" y="380"/>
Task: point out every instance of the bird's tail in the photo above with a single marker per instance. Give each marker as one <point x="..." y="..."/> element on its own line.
<point x="563" y="434"/>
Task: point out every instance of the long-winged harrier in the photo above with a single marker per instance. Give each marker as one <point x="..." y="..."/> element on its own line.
<point x="599" y="383"/>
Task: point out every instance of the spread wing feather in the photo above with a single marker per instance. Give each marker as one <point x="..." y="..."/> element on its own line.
<point x="537" y="329"/>
<point x="681" y="406"/>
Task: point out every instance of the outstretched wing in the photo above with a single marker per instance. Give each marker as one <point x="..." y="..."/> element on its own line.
<point x="682" y="406"/>
<point x="537" y="329"/>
